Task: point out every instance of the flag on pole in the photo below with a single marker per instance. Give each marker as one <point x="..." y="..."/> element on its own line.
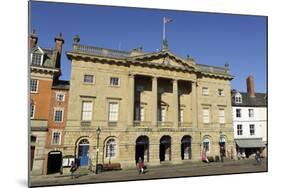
<point x="167" y="20"/>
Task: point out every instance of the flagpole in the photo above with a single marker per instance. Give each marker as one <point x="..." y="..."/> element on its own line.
<point x="164" y="28"/>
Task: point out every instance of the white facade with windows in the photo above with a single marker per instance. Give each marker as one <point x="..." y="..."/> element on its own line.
<point x="249" y="111"/>
<point x="241" y="117"/>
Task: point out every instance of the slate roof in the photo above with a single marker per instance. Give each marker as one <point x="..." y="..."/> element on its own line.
<point x="260" y="99"/>
<point x="48" y="57"/>
<point x="61" y="84"/>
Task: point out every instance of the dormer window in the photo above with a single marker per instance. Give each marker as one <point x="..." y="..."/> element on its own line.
<point x="36" y="59"/>
<point x="238" y="98"/>
<point x="37" y="56"/>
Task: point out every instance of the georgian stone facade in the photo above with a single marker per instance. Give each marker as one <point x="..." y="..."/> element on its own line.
<point x="156" y="106"/>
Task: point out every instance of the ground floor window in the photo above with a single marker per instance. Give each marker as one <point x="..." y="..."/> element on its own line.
<point x="111" y="148"/>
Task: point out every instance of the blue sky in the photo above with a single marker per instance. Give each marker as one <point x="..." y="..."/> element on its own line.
<point x="212" y="39"/>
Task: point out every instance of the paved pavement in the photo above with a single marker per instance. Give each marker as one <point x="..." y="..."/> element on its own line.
<point x="156" y="172"/>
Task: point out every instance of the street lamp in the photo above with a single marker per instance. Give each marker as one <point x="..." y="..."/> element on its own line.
<point x="98" y="131"/>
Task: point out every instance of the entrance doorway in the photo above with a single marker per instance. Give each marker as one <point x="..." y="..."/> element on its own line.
<point x="83" y="152"/>
<point x="186" y="147"/>
<point x="142" y="149"/>
<point x="165" y="148"/>
<point x="54" y="162"/>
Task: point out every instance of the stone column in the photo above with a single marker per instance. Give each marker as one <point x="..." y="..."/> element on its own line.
<point x="194" y="105"/>
<point x="131" y="100"/>
<point x="176" y="103"/>
<point x="154" y="101"/>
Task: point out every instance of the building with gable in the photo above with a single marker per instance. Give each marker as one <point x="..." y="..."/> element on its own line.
<point x="250" y="120"/>
<point x="126" y="105"/>
<point x="44" y="82"/>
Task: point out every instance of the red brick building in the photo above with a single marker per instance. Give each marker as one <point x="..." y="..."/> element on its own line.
<point x="44" y="75"/>
<point x="56" y="125"/>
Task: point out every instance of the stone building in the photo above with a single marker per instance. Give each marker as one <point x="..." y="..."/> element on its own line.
<point x="250" y="120"/>
<point x="44" y="72"/>
<point x="157" y="106"/>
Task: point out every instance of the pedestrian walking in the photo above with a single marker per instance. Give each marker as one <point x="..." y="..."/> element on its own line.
<point x="140" y="165"/>
<point x="258" y="158"/>
<point x="73" y="168"/>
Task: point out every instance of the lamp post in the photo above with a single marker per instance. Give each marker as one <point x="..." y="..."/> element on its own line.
<point x="98" y="131"/>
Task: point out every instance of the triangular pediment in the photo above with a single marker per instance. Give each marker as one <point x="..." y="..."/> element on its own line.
<point x="165" y="58"/>
<point x="38" y="50"/>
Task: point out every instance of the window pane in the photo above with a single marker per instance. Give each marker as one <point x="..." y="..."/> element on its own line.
<point x="56" y="138"/>
<point x="32" y="108"/>
<point x="113" y="111"/>
<point x="221" y="116"/>
<point x="206" y="116"/>
<point x="87" y="111"/>
<point x="36" y="59"/>
<point x="60" y="97"/>
<point x="205" y="91"/>
<point x="58" y="115"/>
<point x="114" y="81"/>
<point x="88" y="78"/>
<point x="33" y="85"/>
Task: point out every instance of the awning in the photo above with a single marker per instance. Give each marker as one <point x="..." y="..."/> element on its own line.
<point x="250" y="143"/>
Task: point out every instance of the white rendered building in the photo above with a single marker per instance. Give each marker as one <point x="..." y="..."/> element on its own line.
<point x="249" y="120"/>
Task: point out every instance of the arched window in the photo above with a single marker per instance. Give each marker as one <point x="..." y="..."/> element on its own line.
<point x="238" y="98"/>
<point x="206" y="145"/>
<point x="111" y="148"/>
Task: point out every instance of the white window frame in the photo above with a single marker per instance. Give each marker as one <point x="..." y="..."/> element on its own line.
<point x="86" y="114"/>
<point x="252" y="129"/>
<point x="205" y="91"/>
<point x="113" y="114"/>
<point x="93" y="79"/>
<point x="62" y="113"/>
<point x="60" y="94"/>
<point x="220" y="92"/>
<point x="239" y="129"/>
<point x="59" y="140"/>
<point x="240" y="112"/>
<point x="251" y="113"/>
<point x="41" y="58"/>
<point x="32" y="111"/>
<point x="221" y="116"/>
<point x="37" y="84"/>
<point x="108" y="152"/>
<point x="111" y="83"/>
<point x="238" y="98"/>
<point x="206" y="115"/>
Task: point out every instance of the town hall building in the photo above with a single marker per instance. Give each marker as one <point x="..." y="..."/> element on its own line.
<point x="162" y="108"/>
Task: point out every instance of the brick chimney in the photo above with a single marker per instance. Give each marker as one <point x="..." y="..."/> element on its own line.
<point x="33" y="39"/>
<point x="59" y="42"/>
<point x="250" y="86"/>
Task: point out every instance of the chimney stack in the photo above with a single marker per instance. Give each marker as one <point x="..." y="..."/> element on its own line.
<point x="250" y="86"/>
<point x="33" y="39"/>
<point x="59" y="42"/>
